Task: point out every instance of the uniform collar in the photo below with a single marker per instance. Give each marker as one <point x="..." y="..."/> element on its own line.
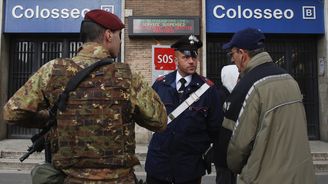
<point x="196" y="80"/>
<point x="89" y="52"/>
<point x="257" y="60"/>
<point x="178" y="77"/>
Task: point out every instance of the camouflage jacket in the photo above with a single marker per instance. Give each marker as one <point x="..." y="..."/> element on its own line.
<point x="33" y="97"/>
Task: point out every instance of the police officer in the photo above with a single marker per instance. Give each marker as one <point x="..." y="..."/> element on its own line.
<point x="175" y="155"/>
<point x="93" y="141"/>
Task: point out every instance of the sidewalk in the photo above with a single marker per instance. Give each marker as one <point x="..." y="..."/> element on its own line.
<point x="319" y="146"/>
<point x="20" y="145"/>
<point x="12" y="149"/>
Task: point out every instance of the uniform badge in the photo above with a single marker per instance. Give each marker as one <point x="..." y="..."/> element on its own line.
<point x="192" y="39"/>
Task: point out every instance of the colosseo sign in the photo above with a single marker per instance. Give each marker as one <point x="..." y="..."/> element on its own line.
<point x="275" y="16"/>
<point x="52" y="16"/>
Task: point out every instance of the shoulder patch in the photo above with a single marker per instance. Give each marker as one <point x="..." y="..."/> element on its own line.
<point x="160" y="78"/>
<point x="207" y="81"/>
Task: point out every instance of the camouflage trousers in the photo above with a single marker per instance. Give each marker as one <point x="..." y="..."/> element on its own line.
<point x="129" y="179"/>
<point x="47" y="174"/>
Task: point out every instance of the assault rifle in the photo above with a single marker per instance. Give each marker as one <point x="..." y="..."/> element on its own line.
<point x="39" y="140"/>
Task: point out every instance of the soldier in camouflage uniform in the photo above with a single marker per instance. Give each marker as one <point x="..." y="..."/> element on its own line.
<point x="93" y="141"/>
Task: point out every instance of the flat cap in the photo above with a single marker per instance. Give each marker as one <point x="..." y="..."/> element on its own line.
<point x="249" y="38"/>
<point x="106" y="19"/>
<point x="188" y="45"/>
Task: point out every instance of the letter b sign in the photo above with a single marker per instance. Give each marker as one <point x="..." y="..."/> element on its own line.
<point x="309" y="12"/>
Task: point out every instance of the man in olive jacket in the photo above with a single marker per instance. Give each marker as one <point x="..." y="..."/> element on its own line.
<point x="266" y="116"/>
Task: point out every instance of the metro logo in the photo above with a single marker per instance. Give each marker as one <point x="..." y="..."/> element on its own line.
<point x="309" y="12"/>
<point x="109" y="8"/>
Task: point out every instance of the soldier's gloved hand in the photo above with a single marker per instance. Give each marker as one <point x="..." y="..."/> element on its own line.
<point x="41" y="117"/>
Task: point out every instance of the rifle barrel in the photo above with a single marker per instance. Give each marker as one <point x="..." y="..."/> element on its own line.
<point x="25" y="156"/>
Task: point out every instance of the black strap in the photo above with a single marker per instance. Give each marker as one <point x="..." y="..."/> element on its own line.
<point x="77" y="79"/>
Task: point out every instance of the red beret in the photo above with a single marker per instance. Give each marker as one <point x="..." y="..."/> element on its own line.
<point x="105" y="19"/>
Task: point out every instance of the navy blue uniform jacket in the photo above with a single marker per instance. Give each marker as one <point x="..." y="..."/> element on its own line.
<point x="176" y="153"/>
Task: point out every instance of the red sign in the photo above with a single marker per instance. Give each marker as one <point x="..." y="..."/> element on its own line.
<point x="163" y="25"/>
<point x="164" y="59"/>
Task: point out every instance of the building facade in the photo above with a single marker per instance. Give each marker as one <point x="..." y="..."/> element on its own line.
<point x="296" y="37"/>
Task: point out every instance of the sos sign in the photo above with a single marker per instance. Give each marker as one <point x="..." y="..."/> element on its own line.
<point x="163" y="58"/>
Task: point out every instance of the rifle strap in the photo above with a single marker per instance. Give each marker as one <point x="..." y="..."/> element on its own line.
<point x="76" y="80"/>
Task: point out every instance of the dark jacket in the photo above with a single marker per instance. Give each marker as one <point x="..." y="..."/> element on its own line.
<point x="220" y="146"/>
<point x="176" y="153"/>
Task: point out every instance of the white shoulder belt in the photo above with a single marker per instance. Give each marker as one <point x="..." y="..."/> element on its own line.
<point x="185" y="104"/>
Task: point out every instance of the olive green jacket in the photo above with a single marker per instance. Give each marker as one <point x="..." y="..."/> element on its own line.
<point x="269" y="143"/>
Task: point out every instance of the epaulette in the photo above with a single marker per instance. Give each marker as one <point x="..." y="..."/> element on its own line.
<point x="160" y="78"/>
<point x="206" y="80"/>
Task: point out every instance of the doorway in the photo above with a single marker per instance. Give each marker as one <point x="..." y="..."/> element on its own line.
<point x="27" y="54"/>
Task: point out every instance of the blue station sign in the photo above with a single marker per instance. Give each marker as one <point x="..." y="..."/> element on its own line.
<point x="52" y="16"/>
<point x="275" y="16"/>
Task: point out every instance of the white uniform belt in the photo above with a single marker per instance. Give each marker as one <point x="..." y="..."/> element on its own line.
<point x="185" y="104"/>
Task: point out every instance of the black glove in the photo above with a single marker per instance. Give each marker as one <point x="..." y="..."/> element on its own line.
<point x="208" y="158"/>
